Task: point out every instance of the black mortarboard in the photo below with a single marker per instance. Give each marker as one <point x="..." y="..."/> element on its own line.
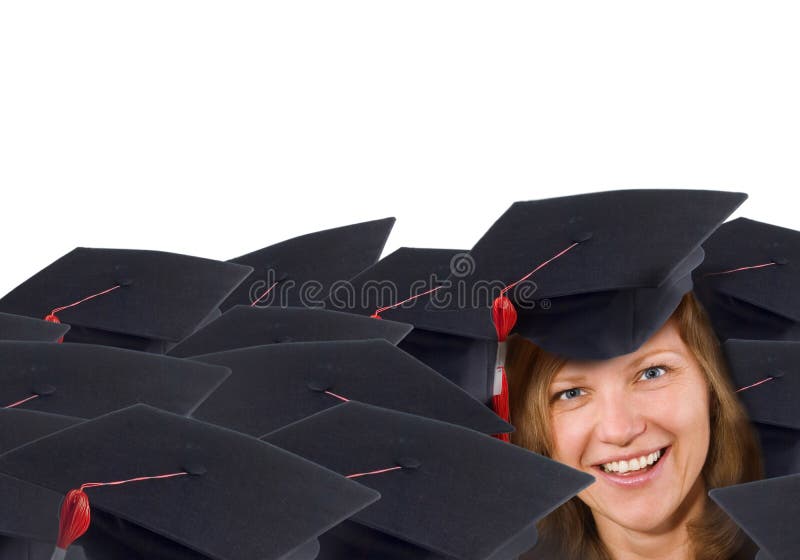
<point x="766" y="375"/>
<point x="273" y="386"/>
<point x="18" y="327"/>
<point x="244" y="326"/>
<point x="446" y="491"/>
<point x="610" y="267"/>
<point x="208" y="490"/>
<point x="306" y="267"/>
<point x="748" y="281"/>
<point x="85" y="380"/>
<point x="143" y="300"/>
<point x="409" y="272"/>
<point x="768" y="511"/>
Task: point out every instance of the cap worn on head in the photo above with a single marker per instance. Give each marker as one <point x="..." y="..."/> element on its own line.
<point x="444" y="489"/>
<point x="766" y="376"/>
<point x="273" y="386"/>
<point x="302" y="270"/>
<point x="85" y="381"/>
<point x="748" y="281"/>
<point x="179" y="484"/>
<point x="767" y="510"/>
<point x="142" y="300"/>
<point x="244" y="326"/>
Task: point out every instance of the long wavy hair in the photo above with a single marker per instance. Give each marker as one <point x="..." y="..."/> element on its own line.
<point x="733" y="457"/>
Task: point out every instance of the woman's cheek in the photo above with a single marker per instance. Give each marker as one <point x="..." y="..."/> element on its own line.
<point x="571" y="432"/>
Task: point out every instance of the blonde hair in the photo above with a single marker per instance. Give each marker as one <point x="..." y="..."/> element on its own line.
<point x="733" y="455"/>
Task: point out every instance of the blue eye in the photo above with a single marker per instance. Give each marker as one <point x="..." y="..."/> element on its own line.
<point x="570" y="394"/>
<point x="653" y="372"/>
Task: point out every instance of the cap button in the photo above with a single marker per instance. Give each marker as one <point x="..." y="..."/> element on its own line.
<point x="124" y="282"/>
<point x="581" y="236"/>
<point x="776" y="374"/>
<point x="43" y="389"/>
<point x="408" y="463"/>
<point x="282" y="339"/>
<point x="195" y="469"/>
<point x="282" y="276"/>
<point x="780" y="260"/>
<point x="319" y="385"/>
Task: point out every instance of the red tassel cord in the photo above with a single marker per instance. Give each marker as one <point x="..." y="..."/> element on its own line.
<point x="76" y="514"/>
<point x="52" y="317"/>
<point x="504" y="317"/>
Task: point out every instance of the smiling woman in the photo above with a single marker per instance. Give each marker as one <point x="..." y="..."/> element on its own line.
<point x="657" y="427"/>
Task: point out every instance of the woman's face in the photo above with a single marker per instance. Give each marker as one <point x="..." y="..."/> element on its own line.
<point x="607" y="415"/>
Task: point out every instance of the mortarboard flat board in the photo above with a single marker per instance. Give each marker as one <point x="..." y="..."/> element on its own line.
<point x="446" y="491"/>
<point x="306" y="267"/>
<point x="273" y="386"/>
<point x="244" y="326"/>
<point x="208" y="490"/>
<point x="591" y="276"/>
<point x="767" y="510"/>
<point x="748" y="281"/>
<point x="18" y="327"/>
<point x="85" y="380"/>
<point x="410" y="272"/>
<point x="18" y="427"/>
<point x="142" y="300"/>
<point x="766" y="375"/>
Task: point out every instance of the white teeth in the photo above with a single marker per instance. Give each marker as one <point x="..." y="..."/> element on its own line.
<point x="640" y="463"/>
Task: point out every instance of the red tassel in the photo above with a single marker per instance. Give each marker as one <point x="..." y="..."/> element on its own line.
<point x="504" y="316"/>
<point x="51" y="318"/>
<point x="75" y="518"/>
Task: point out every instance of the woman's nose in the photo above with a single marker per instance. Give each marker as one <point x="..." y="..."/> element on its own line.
<point x="620" y="420"/>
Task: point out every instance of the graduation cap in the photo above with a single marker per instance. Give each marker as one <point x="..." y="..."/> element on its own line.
<point x="17" y="327"/>
<point x="244" y="326"/>
<point x="85" y="381"/>
<point x="181" y="487"/>
<point x="18" y="427"/>
<point x="748" y="282"/>
<point x="302" y="270"/>
<point x="273" y="386"/>
<point x="766" y="375"/>
<point x="398" y="288"/>
<point x="142" y="300"/>
<point x="446" y="491"/>
<point x="767" y="510"/>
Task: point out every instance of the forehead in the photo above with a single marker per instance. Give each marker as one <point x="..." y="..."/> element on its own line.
<point x="666" y="340"/>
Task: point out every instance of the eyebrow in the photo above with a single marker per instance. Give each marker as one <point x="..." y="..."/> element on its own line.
<point x="638" y="362"/>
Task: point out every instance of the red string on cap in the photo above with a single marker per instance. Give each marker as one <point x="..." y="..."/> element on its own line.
<point x="377" y="314"/>
<point x="757" y="383"/>
<point x="740" y="269"/>
<point x="52" y="316"/>
<point x="504" y="317"/>
<point x="262" y="296"/>
<point x="76" y="515"/>
<point x="23" y="401"/>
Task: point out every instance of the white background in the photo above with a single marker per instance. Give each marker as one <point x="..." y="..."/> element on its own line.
<point x="216" y="128"/>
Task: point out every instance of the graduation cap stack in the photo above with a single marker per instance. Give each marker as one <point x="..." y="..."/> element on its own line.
<point x="165" y="450"/>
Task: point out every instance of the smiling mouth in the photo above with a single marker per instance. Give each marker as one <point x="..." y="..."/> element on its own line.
<point x="634" y="466"/>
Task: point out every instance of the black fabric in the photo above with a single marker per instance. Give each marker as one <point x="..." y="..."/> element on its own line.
<point x="307" y="267"/>
<point x="767" y="510"/>
<point x="461" y="493"/>
<point x="28" y="512"/>
<point x="17" y="327"/>
<point x="245" y="326"/>
<point x="773" y="404"/>
<point x="465" y="360"/>
<point x="254" y="501"/>
<point x="273" y="386"/>
<point x="87" y="380"/>
<point x="604" y="297"/>
<point x="759" y="303"/>
<point x="18" y="427"/>
<point x="162" y="298"/>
